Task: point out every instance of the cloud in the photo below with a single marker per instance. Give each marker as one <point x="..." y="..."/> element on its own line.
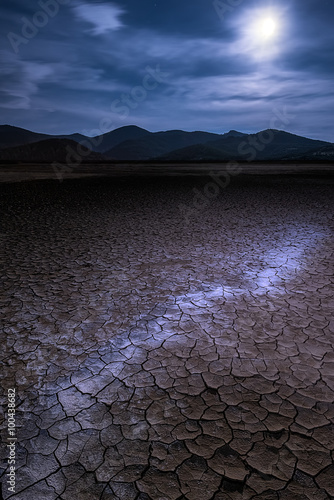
<point x="20" y="80"/>
<point x="68" y="75"/>
<point x="104" y="17"/>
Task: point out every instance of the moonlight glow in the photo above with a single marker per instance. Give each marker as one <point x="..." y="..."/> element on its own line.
<point x="268" y="27"/>
<point x="265" y="28"/>
<point x="261" y="33"/>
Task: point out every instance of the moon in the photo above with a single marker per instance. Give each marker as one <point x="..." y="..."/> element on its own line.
<point x="268" y="27"/>
<point x="261" y="33"/>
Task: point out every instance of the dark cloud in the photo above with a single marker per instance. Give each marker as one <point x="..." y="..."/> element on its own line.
<point x="70" y="65"/>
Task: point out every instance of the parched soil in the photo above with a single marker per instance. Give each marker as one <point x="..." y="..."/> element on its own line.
<point x="169" y="338"/>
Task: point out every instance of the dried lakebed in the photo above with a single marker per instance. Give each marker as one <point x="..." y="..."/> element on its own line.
<point x="159" y="357"/>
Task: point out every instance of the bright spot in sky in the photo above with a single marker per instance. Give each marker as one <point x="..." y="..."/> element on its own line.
<point x="265" y="28"/>
<point x="268" y="27"/>
<point x="261" y="33"/>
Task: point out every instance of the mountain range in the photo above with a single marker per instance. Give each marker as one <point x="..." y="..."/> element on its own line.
<point x="132" y="143"/>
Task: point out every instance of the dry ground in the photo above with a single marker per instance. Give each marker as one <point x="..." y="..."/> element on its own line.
<point x="24" y="172"/>
<point x="164" y="356"/>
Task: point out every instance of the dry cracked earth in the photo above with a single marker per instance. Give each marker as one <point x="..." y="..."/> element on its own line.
<point x="158" y="358"/>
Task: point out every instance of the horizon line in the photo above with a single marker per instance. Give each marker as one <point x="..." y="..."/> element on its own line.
<point x="166" y="130"/>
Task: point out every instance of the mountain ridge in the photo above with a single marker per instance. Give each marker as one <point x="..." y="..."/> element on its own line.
<point x="132" y="143"/>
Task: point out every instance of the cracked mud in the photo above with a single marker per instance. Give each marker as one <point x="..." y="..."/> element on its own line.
<point x="156" y="359"/>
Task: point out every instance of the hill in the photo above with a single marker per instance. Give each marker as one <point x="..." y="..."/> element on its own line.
<point x="324" y="154"/>
<point x="196" y="153"/>
<point x="15" y="136"/>
<point x="107" y="141"/>
<point x="50" y="150"/>
<point x="268" y="145"/>
<point x="132" y="143"/>
<point x="158" y="144"/>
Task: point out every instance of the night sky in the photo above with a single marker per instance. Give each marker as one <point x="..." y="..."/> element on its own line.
<point x="90" y="67"/>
